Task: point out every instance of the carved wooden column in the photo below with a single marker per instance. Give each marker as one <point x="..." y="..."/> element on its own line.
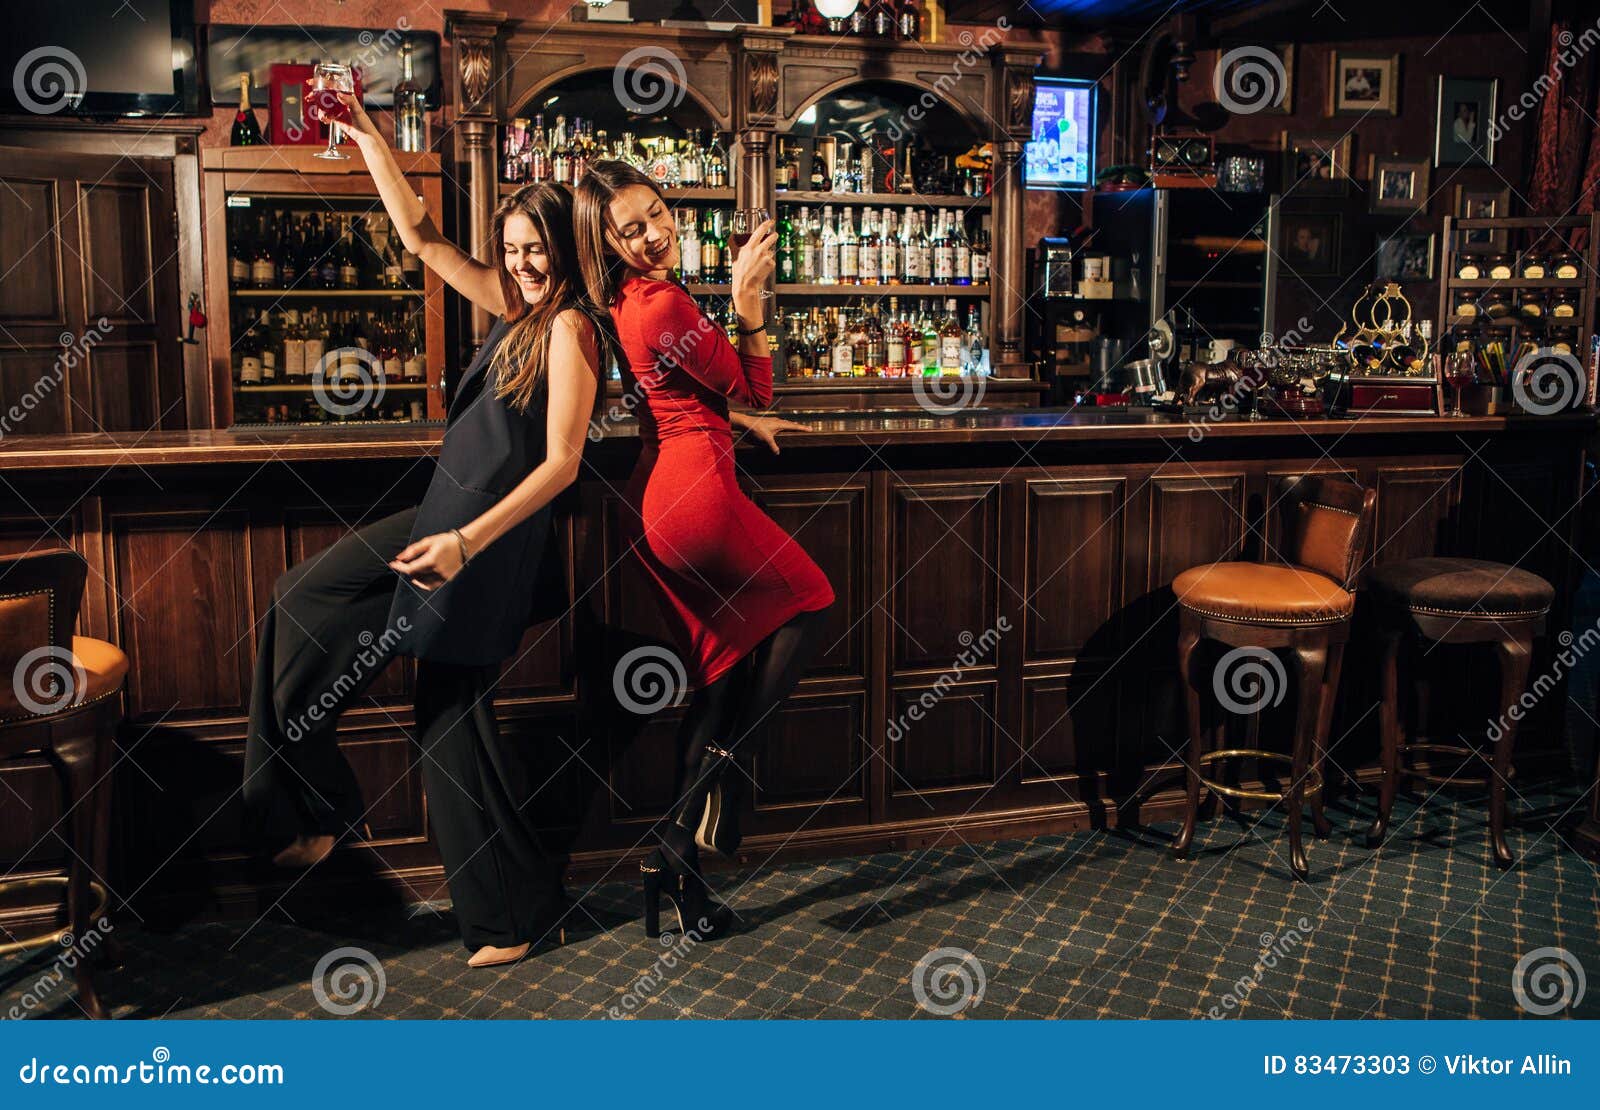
<point x="1012" y="113"/>
<point x="475" y="86"/>
<point x="755" y="106"/>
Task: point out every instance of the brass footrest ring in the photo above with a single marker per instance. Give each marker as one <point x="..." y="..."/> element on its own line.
<point x="1444" y="780"/>
<point x="1312" y="788"/>
<point x="54" y="936"/>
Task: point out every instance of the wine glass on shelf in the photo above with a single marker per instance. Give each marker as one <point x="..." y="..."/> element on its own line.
<point x="328" y="80"/>
<point x="1460" y="372"/>
<point x="745" y="222"/>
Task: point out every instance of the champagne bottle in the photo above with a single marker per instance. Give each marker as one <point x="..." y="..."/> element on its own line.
<point x="246" y="131"/>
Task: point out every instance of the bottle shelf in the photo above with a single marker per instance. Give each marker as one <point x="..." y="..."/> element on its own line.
<point x="875" y="200"/>
<point x="701" y="289"/>
<point x="695" y="192"/>
<point x="798" y="290"/>
<point x="302" y="387"/>
<point x="1516" y="283"/>
<point x="299" y="294"/>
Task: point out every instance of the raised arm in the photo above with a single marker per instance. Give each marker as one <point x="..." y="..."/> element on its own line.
<point x="474" y="280"/>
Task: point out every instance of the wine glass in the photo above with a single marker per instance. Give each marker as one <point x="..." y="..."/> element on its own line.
<point x="745" y="222"/>
<point x="1460" y="372"/>
<point x="328" y="79"/>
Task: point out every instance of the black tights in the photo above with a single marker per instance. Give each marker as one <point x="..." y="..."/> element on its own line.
<point x="735" y="712"/>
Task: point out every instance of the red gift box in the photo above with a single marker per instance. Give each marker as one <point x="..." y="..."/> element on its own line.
<point x="286" y="84"/>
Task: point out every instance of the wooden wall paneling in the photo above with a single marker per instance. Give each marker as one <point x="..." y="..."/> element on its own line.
<point x="942" y="747"/>
<point x="1418" y="505"/>
<point x="812" y="772"/>
<point x="30" y="253"/>
<point x="945" y="564"/>
<point x="1075" y="551"/>
<point x="1069" y="734"/>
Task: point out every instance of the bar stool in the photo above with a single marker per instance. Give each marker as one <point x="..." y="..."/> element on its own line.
<point x="1455" y="601"/>
<point x="1257" y="609"/>
<point x="58" y="700"/>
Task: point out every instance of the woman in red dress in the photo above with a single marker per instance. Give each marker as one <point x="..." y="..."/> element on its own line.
<point x="744" y="601"/>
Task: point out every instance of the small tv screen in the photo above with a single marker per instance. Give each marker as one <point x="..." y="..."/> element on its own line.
<point x="100" y="57"/>
<point x="1060" y="151"/>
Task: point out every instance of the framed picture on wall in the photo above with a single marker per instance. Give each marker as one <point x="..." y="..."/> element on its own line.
<point x="1364" y="84"/>
<point x="1311" y="242"/>
<point x="1316" y="165"/>
<point x="1405" y="257"/>
<point x="1482" y="204"/>
<point x="1397" y="184"/>
<point x="1258" y="78"/>
<point x="1463" y="128"/>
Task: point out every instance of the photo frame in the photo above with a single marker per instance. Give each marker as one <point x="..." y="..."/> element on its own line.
<point x="1311" y="243"/>
<point x="1363" y="84"/>
<point x="1398" y="185"/>
<point x="1316" y="165"/>
<point x="1405" y="257"/>
<point x="1463" y="134"/>
<point x="1473" y="203"/>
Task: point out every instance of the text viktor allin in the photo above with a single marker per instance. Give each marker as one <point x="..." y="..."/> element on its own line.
<point x="1544" y="1063"/>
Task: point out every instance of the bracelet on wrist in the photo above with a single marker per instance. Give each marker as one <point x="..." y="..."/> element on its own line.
<point x="761" y="327"/>
<point x="462" y="541"/>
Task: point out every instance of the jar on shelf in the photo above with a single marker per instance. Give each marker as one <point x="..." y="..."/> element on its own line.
<point x="1534" y="265"/>
<point x="1563" y="339"/>
<point x="1532" y="304"/>
<point x="1465" y="304"/>
<point x="1564" y="304"/>
<point x="1495" y="304"/>
<point x="1499" y="266"/>
<point x="1469" y="266"/>
<point x="1565" y="264"/>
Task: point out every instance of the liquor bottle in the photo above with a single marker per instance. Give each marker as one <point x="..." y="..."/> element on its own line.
<point x="246" y="131"/>
<point x="980" y="257"/>
<point x="909" y="20"/>
<point x="349" y="263"/>
<point x="913" y="341"/>
<point x="961" y="273"/>
<point x="538" y="153"/>
<point x="894" y="353"/>
<point x="316" y="335"/>
<point x="268" y="345"/>
<point x="414" y="364"/>
<point x="858" y="344"/>
<point x="691" y="165"/>
<point x="689" y="259"/>
<point x="869" y="257"/>
<point x="877" y="349"/>
<point x="840" y="362"/>
<point x="889" y="250"/>
<point x="973" y="342"/>
<point x="263" y="269"/>
<point x="716" y="171"/>
<point x="663" y="167"/>
<point x="327" y="255"/>
<point x="944" y="252"/>
<point x="713" y="254"/>
<point x="807" y="246"/>
<point x="950" y="340"/>
<point x="410" y="108"/>
<point x="930" y="340"/>
<point x="294" y="347"/>
<point x="919" y="255"/>
<point x="560" y="155"/>
<point x="881" y="20"/>
<point x="843" y="160"/>
<point x="849" y="250"/>
<point x="829" y="274"/>
<point x="249" y="369"/>
<point x="821" y="352"/>
<point x="788" y="250"/>
<point x="819" y="172"/>
<point x="858" y="21"/>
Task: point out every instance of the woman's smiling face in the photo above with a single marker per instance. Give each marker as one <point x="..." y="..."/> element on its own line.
<point x="525" y="257"/>
<point x="641" y="229"/>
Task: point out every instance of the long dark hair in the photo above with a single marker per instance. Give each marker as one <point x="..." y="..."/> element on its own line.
<point x="520" y="362"/>
<point x="603" y="271"/>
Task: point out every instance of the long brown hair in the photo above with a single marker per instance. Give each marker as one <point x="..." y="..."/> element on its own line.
<point x="603" y="271"/>
<point x="520" y="362"/>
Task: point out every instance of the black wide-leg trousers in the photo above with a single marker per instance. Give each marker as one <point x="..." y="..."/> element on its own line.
<point x="324" y="640"/>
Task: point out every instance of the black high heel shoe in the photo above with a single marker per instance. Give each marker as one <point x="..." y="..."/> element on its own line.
<point x="698" y="913"/>
<point x="719" y="830"/>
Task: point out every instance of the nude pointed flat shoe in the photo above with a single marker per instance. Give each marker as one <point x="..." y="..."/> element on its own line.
<point x="490" y="956"/>
<point x="305" y="851"/>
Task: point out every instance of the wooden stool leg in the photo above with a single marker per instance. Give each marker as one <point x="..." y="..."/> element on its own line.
<point x="1319" y="754"/>
<point x="1514" y="654"/>
<point x="1188" y="640"/>
<point x="74" y="758"/>
<point x="1310" y="664"/>
<point x="1389" y="727"/>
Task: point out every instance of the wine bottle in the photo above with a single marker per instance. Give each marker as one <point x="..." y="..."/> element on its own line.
<point x="410" y="108"/>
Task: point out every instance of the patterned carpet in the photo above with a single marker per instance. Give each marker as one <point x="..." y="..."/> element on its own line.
<point x="1097" y="924"/>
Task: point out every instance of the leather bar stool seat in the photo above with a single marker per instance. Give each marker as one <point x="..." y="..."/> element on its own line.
<point x="1263" y="592"/>
<point x="1299" y="607"/>
<point x="1455" y="601"/>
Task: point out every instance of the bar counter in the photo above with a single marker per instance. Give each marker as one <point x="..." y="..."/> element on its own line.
<point x="1000" y="660"/>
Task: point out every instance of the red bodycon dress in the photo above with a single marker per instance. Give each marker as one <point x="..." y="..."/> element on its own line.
<point x="726" y="575"/>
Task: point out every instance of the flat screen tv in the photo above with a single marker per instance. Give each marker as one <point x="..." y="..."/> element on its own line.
<point x="1060" y="152"/>
<point x="100" y="58"/>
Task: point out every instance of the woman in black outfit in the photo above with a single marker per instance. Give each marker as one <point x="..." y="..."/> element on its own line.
<point x="453" y="582"/>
